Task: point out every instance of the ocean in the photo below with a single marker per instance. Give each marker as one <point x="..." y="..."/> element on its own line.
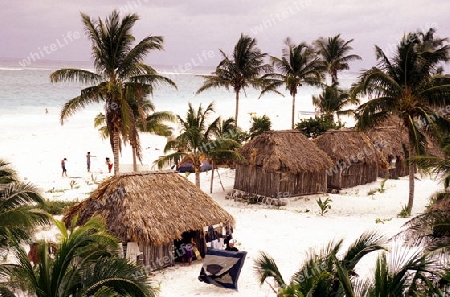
<point x="27" y="90"/>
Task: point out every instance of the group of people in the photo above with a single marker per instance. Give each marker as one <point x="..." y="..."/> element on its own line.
<point x="191" y="251"/>
<point x="108" y="163"/>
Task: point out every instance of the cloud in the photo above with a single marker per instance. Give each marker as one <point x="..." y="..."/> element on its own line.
<point x="191" y="27"/>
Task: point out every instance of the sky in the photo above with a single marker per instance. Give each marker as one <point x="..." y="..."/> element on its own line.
<point x="195" y="30"/>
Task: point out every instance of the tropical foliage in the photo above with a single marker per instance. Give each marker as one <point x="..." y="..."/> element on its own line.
<point x="120" y="76"/>
<point x="19" y="207"/>
<point x="402" y="271"/>
<point x="409" y="86"/>
<point x="84" y="263"/>
<point x="298" y="66"/>
<point x="334" y="57"/>
<point x="20" y="213"/>
<point x="259" y="125"/>
<point x="243" y="69"/>
<point x="333" y="100"/>
<point x="314" y="127"/>
<point x="323" y="273"/>
<point x="7" y="173"/>
<point x="153" y="122"/>
<point x="194" y="140"/>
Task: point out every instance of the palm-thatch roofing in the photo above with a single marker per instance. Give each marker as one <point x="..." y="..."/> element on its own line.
<point x="150" y="207"/>
<point x="392" y="136"/>
<point x="285" y="151"/>
<point x="350" y="145"/>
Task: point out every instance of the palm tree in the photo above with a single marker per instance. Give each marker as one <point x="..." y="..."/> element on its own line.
<point x="85" y="263"/>
<point x="322" y="272"/>
<point x="410" y="87"/>
<point x="334" y="54"/>
<point x="298" y="66"/>
<point x="7" y="174"/>
<point x="333" y="100"/>
<point x="153" y="123"/>
<point x="19" y="214"/>
<point x="119" y="74"/>
<point x="194" y="140"/>
<point x="223" y="148"/>
<point x="244" y="68"/>
<point x="259" y="126"/>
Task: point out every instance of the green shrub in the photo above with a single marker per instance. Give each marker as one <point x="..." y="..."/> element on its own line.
<point x="56" y="207"/>
<point x="405" y="212"/>
<point x="324" y="205"/>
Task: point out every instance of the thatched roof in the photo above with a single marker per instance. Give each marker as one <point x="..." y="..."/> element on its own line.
<point x="395" y="135"/>
<point x="394" y="140"/>
<point x="151" y="207"/>
<point x="286" y="151"/>
<point x="348" y="144"/>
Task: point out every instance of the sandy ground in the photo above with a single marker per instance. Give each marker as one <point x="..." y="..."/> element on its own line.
<point x="36" y="145"/>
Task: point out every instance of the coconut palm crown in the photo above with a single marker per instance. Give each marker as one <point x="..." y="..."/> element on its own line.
<point x="119" y="73"/>
<point x="410" y="86"/>
<point x="333" y="52"/>
<point x="298" y="66"/>
<point x="243" y="69"/>
<point x="194" y="139"/>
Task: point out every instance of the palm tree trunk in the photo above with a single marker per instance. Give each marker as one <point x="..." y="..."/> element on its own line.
<point x="411" y="168"/>
<point x="116" y="141"/>
<point x="135" y="169"/>
<point x="293" y="111"/>
<point x="212" y="177"/>
<point x="197" y="176"/>
<point x="237" y="109"/>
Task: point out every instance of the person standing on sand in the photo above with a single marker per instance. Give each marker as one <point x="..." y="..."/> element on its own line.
<point x="88" y="161"/>
<point x="63" y="166"/>
<point x="109" y="164"/>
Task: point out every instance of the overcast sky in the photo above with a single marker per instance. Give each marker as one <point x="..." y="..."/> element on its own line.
<point x="194" y="30"/>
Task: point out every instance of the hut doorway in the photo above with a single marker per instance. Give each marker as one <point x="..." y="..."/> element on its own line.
<point x="187" y="237"/>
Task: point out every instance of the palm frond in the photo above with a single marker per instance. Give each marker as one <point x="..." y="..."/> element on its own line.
<point x="265" y="267"/>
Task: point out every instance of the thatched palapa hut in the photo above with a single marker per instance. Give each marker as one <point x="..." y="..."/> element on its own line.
<point x="355" y="158"/>
<point x="285" y="162"/>
<point x="394" y="138"/>
<point x="154" y="210"/>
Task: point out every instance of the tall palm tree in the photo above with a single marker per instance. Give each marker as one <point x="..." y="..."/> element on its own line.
<point x="409" y="86"/>
<point x="321" y="273"/>
<point x="153" y="122"/>
<point x="19" y="214"/>
<point x="85" y="263"/>
<point x="333" y="100"/>
<point x="334" y="54"/>
<point x="244" y="68"/>
<point x="119" y="73"/>
<point x="298" y="66"/>
<point x="194" y="140"/>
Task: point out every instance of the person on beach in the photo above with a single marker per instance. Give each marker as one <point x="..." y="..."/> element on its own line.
<point x="88" y="161"/>
<point x="231" y="246"/>
<point x="109" y="164"/>
<point x="63" y="167"/>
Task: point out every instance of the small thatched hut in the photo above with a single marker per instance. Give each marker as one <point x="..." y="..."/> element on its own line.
<point x="285" y="162"/>
<point x="394" y="140"/>
<point x="394" y="137"/>
<point x="356" y="158"/>
<point x="154" y="210"/>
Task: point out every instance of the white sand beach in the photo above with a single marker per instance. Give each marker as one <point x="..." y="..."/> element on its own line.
<point x="35" y="145"/>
